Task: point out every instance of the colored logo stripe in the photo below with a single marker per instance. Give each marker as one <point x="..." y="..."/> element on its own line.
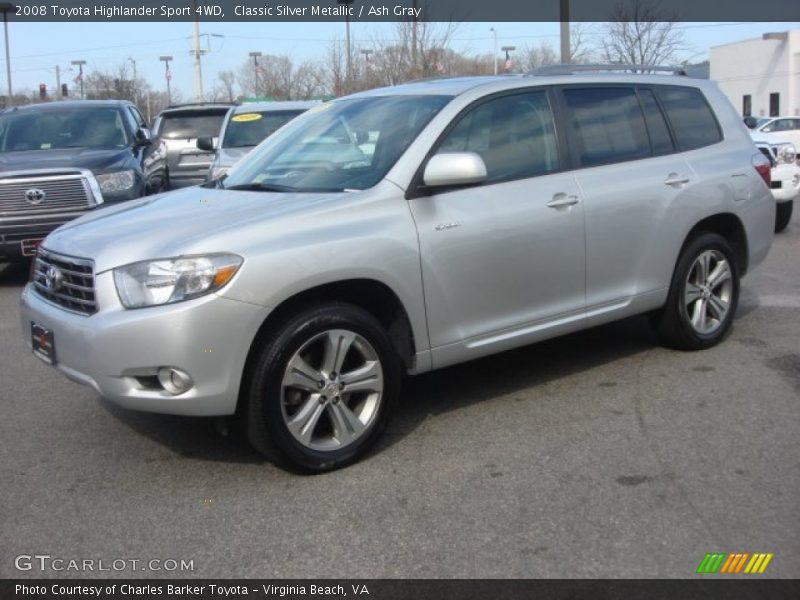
<point x="734" y="562"/>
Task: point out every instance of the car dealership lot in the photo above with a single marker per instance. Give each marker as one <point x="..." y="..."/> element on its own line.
<point x="595" y="455"/>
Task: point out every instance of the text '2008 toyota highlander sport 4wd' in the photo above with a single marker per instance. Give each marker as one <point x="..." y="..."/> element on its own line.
<point x="484" y="214"/>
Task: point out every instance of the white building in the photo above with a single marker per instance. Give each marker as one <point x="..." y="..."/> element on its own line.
<point x="761" y="76"/>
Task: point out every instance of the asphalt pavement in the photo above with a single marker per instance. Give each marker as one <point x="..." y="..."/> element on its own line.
<point x="599" y="454"/>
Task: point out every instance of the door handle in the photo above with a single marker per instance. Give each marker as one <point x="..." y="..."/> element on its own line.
<point x="675" y="180"/>
<point x="562" y="200"/>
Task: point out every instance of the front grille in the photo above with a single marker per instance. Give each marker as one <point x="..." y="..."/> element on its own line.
<point x="66" y="281"/>
<point x="46" y="194"/>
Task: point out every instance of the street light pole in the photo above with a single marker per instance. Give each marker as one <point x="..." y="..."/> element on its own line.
<point x="255" y="56"/>
<point x="494" y="34"/>
<point x="167" y="76"/>
<point x="198" y="67"/>
<point x="5" y="7"/>
<point x="566" y="52"/>
<point x="346" y="4"/>
<point x="80" y="64"/>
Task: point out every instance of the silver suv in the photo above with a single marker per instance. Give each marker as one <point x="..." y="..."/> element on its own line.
<point x="402" y="230"/>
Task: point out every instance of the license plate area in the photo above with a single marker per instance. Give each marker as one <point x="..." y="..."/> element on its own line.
<point x="29" y="247"/>
<point x="43" y="343"/>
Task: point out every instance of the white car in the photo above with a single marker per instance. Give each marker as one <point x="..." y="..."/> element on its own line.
<point x="787" y="127"/>
<point x="785" y="173"/>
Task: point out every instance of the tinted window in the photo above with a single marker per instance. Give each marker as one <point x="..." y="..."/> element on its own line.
<point x="250" y="129"/>
<point x="514" y="135"/>
<point x="54" y="128"/>
<point x="660" y="140"/>
<point x="191" y="124"/>
<point x="692" y="121"/>
<point x="607" y="125"/>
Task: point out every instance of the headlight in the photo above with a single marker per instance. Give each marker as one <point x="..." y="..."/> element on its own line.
<point x="786" y="154"/>
<point x="116" y="182"/>
<point x="169" y="280"/>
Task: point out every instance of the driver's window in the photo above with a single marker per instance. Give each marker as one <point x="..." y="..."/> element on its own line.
<point x="514" y="135"/>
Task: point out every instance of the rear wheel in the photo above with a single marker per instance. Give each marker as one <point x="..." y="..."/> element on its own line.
<point x="703" y="295"/>
<point x="783" y="214"/>
<point x="322" y="388"/>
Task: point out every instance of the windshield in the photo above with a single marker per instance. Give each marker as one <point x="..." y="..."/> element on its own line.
<point x="55" y="128"/>
<point x="250" y="129"/>
<point x="344" y="145"/>
<point x="188" y="125"/>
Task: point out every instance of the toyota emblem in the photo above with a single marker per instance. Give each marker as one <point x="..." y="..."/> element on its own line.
<point x="35" y="196"/>
<point x="53" y="278"/>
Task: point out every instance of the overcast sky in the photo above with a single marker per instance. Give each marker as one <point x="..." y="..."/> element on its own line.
<point x="36" y="48"/>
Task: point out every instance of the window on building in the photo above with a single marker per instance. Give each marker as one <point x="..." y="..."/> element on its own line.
<point x="747" y="105"/>
<point x="774" y="105"/>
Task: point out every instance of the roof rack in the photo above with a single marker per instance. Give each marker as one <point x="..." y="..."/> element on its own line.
<point x="573" y="69"/>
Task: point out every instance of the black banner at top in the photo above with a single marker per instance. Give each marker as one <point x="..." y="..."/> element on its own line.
<point x="401" y="10"/>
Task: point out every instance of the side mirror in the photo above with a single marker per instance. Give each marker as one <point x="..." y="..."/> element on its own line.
<point x="206" y="143"/>
<point x="750" y="122"/>
<point x="454" y="168"/>
<point x="142" y="137"/>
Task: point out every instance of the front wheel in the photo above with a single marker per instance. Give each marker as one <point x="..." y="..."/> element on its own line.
<point x="783" y="214"/>
<point x="322" y="388"/>
<point x="703" y="295"/>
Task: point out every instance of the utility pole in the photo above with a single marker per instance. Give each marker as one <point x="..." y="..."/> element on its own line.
<point x="349" y="75"/>
<point x="494" y="33"/>
<point x="135" y="88"/>
<point x="167" y="76"/>
<point x="80" y="64"/>
<point x="566" y="52"/>
<point x="5" y="7"/>
<point x="198" y="68"/>
<point x="255" y="56"/>
<point x="414" y="38"/>
<point x="58" y="83"/>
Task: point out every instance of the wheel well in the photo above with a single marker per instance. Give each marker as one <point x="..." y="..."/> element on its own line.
<point x="372" y="296"/>
<point x="730" y="227"/>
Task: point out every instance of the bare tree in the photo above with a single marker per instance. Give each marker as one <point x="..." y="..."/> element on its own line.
<point x="279" y="78"/>
<point x="641" y="34"/>
<point x="225" y="90"/>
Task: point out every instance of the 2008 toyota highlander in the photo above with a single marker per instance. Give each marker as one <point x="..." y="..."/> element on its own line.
<point x="484" y="214"/>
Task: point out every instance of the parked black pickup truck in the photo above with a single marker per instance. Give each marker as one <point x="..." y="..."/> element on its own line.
<point x="61" y="159"/>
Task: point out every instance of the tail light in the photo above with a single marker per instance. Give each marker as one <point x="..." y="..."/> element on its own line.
<point x="762" y="165"/>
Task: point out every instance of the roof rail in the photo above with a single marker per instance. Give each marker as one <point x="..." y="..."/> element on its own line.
<point x="572" y="69"/>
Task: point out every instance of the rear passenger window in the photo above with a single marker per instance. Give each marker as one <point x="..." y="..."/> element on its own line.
<point x="691" y="118"/>
<point x="514" y="135"/>
<point x="607" y="125"/>
<point x="660" y="140"/>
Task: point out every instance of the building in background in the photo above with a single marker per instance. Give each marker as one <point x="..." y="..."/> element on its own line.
<point x="760" y="76"/>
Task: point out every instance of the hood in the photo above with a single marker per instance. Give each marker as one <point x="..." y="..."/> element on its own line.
<point x="230" y="156"/>
<point x="190" y="221"/>
<point x="95" y="159"/>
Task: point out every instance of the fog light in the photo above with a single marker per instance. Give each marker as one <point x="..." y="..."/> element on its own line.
<point x="174" y="380"/>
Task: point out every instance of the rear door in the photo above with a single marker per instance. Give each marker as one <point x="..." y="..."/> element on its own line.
<point x="630" y="179"/>
<point x="179" y="129"/>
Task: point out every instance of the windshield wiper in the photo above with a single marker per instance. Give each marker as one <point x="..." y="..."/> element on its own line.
<point x="259" y="187"/>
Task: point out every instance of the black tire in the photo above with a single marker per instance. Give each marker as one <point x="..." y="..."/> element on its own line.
<point x="673" y="322"/>
<point x="783" y="214"/>
<point x="266" y="407"/>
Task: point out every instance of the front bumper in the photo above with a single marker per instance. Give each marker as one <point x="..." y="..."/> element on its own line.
<point x="13" y="230"/>
<point x="785" y="182"/>
<point x="208" y="338"/>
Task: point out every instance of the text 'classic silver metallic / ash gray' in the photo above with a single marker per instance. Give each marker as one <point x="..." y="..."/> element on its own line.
<point x="402" y="230"/>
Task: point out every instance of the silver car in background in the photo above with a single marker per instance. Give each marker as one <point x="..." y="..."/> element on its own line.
<point x="245" y="127"/>
<point x="402" y="230"/>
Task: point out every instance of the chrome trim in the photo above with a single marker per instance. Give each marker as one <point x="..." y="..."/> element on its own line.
<point x="69" y="173"/>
